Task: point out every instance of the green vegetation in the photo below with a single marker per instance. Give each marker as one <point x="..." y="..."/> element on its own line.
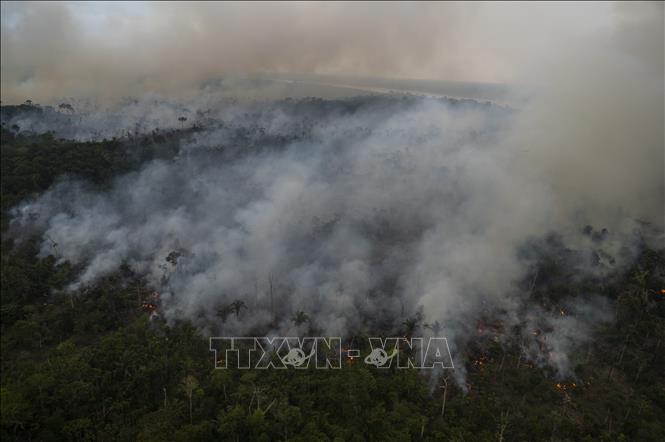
<point x="92" y="368"/>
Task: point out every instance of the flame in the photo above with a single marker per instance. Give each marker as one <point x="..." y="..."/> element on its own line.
<point x="565" y="387"/>
<point x="148" y="306"/>
<point x="480" y="361"/>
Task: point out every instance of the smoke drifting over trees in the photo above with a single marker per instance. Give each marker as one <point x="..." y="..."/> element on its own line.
<point x="358" y="212"/>
<point x="385" y="173"/>
<point x="594" y="72"/>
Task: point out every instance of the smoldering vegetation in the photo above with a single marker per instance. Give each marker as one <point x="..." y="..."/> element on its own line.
<point x="367" y="215"/>
<point x="223" y="101"/>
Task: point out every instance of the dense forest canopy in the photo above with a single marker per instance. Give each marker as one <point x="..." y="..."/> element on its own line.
<point x="560" y="336"/>
<point x="332" y="221"/>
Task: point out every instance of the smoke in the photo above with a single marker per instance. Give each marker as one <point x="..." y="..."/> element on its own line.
<point x="375" y="212"/>
<point x="365" y="211"/>
<point x="126" y="49"/>
<point x="596" y="129"/>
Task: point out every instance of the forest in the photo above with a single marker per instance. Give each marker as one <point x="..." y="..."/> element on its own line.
<point x="91" y="364"/>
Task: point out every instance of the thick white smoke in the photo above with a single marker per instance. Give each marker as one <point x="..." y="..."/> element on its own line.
<point x="378" y="211"/>
<point x="366" y="211"/>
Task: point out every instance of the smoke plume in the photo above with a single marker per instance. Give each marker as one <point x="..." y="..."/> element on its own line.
<point x="363" y="212"/>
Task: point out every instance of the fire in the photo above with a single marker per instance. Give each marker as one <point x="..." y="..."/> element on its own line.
<point x="150" y="305"/>
<point x="480" y="362"/>
<point x="565" y="387"/>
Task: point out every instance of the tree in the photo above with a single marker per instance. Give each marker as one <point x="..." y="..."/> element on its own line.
<point x="300" y="318"/>
<point x="66" y="107"/>
<point x="444" y="387"/>
<point x="236" y="306"/>
<point x="411" y="324"/>
<point x="189" y="384"/>
<point x="15" y="409"/>
<point x="503" y="424"/>
<point x="232" y="422"/>
<point x="435" y="327"/>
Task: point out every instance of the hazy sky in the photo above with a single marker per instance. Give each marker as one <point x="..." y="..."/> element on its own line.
<point x="55" y="49"/>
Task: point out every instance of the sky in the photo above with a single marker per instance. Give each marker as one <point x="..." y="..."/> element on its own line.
<point x="54" y="49"/>
<point x="596" y="69"/>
